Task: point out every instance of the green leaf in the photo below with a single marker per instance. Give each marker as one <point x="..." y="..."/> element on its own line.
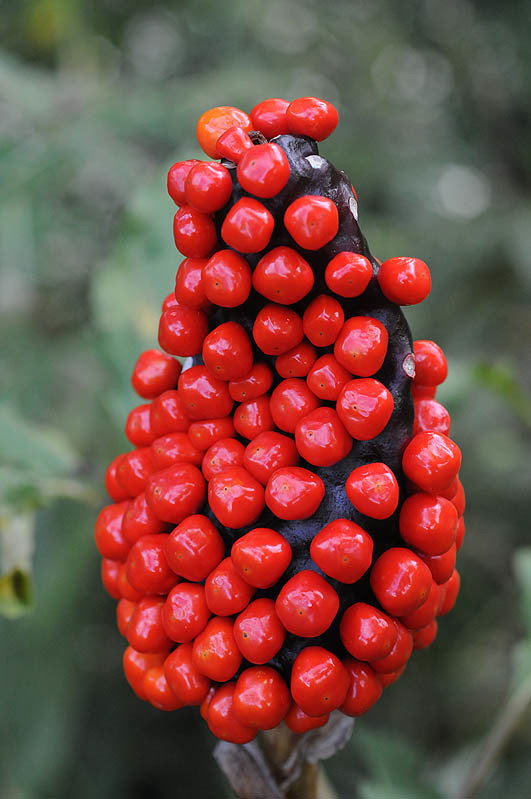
<point x="35" y="447"/>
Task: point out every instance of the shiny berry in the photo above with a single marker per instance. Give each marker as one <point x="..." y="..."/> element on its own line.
<point x="139" y="520"/>
<point x="291" y="401"/>
<point x="327" y="377"/>
<point x="307" y="604"/>
<point x="365" y="407"/>
<point x="263" y="170"/>
<point x="459" y="499"/>
<point x="208" y="187"/>
<point x="233" y="143"/>
<point x="186" y="682"/>
<point x="205" y="433"/>
<point x="259" y="632"/>
<point x="177" y="178"/>
<point x="227" y="279"/>
<point x="431" y="368"/>
<point x="296" y="362"/>
<point x="366" y="632"/>
<point x="261" y="557"/>
<point x="248" y="226"/>
<point x="404" y="281"/>
<point x="110" y="569"/>
<point x="222" y="455"/>
<point x="425" y="636"/>
<point x="277" y="329"/>
<point x="400" y="580"/>
<point x="110" y="540"/>
<point x="235" y="497"/>
<point x="167" y="414"/>
<point x="203" y="395"/>
<point x="112" y="486"/>
<point x="154" y="373"/>
<point x="135" y="666"/>
<point x="256" y="383"/>
<point x="261" y="698"/>
<point x="428" y="523"/>
<point x="319" y="681"/>
<point x="194" y="548"/>
<point x="145" y="631"/>
<point x="147" y="568"/>
<point x="268" y="452"/>
<point x="270" y="117"/>
<point x="253" y="417"/>
<point x="124" y="612"/>
<point x="451" y="590"/>
<point x="176" y="492"/>
<point x="373" y="490"/>
<point x="361" y="346"/>
<point x="225" y="591"/>
<point x="427" y="611"/>
<point x="227" y="352"/>
<point x="174" y="448"/>
<point x="126" y="589"/>
<point x="321" y="438"/>
<point x="134" y="470"/>
<point x="138" y="426"/>
<point x="294" y="493"/>
<point x="189" y="288"/>
<point x="342" y="550"/>
<point x="322" y="320"/>
<point x="348" y="274"/>
<point x="194" y="233"/>
<point x="182" y="330"/>
<point x="431" y="461"/>
<point x="312" y="221"/>
<point x="216" y="121"/>
<point x="400" y="653"/>
<point x="215" y="653"/>
<point x="222" y="720"/>
<point x="283" y="276"/>
<point x="364" y="688"/>
<point x="185" y="612"/>
<point x="431" y="416"/>
<point x="298" y="721"/>
<point x="441" y="566"/>
<point x="310" y="116"/>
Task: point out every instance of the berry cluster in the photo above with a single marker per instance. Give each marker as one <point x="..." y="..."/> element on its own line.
<point x="283" y="532"/>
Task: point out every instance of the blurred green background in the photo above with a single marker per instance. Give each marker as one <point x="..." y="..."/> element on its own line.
<point x="97" y="99"/>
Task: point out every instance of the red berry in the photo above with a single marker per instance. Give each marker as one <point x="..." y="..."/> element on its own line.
<point x="400" y="580"/>
<point x="322" y="320"/>
<point x="290" y="402"/>
<point x="185" y="612"/>
<point x="145" y="631"/>
<point x="257" y="382"/>
<point x="283" y="276"/>
<point x="294" y="493"/>
<point x="296" y="362"/>
<point x="366" y="632"/>
<point x="126" y="589"/>
<point x="110" y="540"/>
<point x="177" y="178"/>
<point x="147" y="568"/>
<point x="263" y="170"/>
<point x="268" y="452"/>
<point x="205" y="433"/>
<point x="298" y="721"/>
<point x="169" y="302"/>
<point x="419" y="392"/>
<point x="186" y="682"/>
<point x="309" y="116"/>
<point x="139" y="520"/>
<point x="348" y="274"/>
<point x="428" y="523"/>
<point x="373" y="490"/>
<point x="441" y="566"/>
<point x="124" y="612"/>
<point x="431" y="461"/>
<point x="182" y="330"/>
<point x="307" y="604"/>
<point x="321" y="438"/>
<point x="189" y="288"/>
<point x="404" y="281"/>
<point x="258" y="631"/>
<point x="270" y="118"/>
<point x="208" y="187"/>
<point x="277" y="329"/>
<point x="154" y="373"/>
<point x="343" y="550"/>
<point x="425" y="636"/>
<point x="138" y="426"/>
<point x="327" y="377"/>
<point x="227" y="352"/>
<point x="222" y="455"/>
<point x="451" y="590"/>
<point x="235" y="497"/>
<point x="312" y="221"/>
<point x="194" y="233"/>
<point x="365" y="407"/>
<point x="233" y="143"/>
<point x="427" y="611"/>
<point x="203" y="395"/>
<point x="174" y="448"/>
<point x="364" y="688"/>
<point x="248" y="226"/>
<point x="176" y="492"/>
<point x="459" y="499"/>
<point x="227" y="279"/>
<point x="167" y="414"/>
<point x="136" y="664"/>
<point x="431" y="368"/>
<point x="361" y="346"/>
<point x="460" y="533"/>
<point x="112" y="486"/>
<point x="431" y="416"/>
<point x="261" y="698"/>
<point x="261" y="557"/>
<point x="110" y="569"/>
<point x="158" y="692"/>
<point x="215" y="653"/>
<point x="319" y="681"/>
<point x="134" y="470"/>
<point x="226" y="591"/>
<point x="253" y="417"/>
<point x="399" y="655"/>
<point x="222" y="720"/>
<point x="216" y="121"/>
<point x="194" y="548"/>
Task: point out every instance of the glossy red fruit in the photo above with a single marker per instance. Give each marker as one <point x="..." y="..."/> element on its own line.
<point x="138" y="426"/>
<point x="431" y="416"/>
<point x="169" y="302"/>
<point x="147" y="568"/>
<point x="310" y="116"/>
<point x="182" y="330"/>
<point x="431" y="368"/>
<point x="261" y="557"/>
<point x="139" y="520"/>
<point x="226" y="591"/>
<point x="451" y="590"/>
<point x="268" y="452"/>
<point x="440" y="566"/>
<point x="290" y="402"/>
<point x="364" y="688"/>
<point x="186" y="682"/>
<point x="126" y="589"/>
<point x="307" y="604"/>
<point x="208" y="187"/>
<point x="203" y="395"/>
<point x="400" y="653"/>
<point x="263" y="170"/>
<point x="174" y="493"/>
<point x="425" y="636"/>
<point x="283" y="276"/>
<point x="419" y="392"/>
<point x="322" y="320"/>
<point x="327" y="377"/>
<point x="112" y="486"/>
<point x="256" y="383"/>
<point x="459" y="499"/>
<point x="216" y="121"/>
<point x="248" y="226"/>
<point x="235" y="497"/>
<point x="222" y="455"/>
<point x="154" y="373"/>
<point x="312" y="221"/>
<point x="427" y="611"/>
<point x="460" y="533"/>
<point x="134" y="470"/>
<point x="361" y="346"/>
<point x="366" y="632"/>
<point x="189" y="288"/>
<point x="194" y="548"/>
<point x="227" y="279"/>
<point x="365" y="407"/>
<point x="342" y="550"/>
<point x="205" y="433"/>
<point x="270" y="117"/>
<point x="215" y="653"/>
<point x="296" y="362"/>
<point x="428" y="523"/>
<point x="319" y="681"/>
<point x="158" y="692"/>
<point x="222" y="720"/>
<point x="321" y="438"/>
<point x="110" y="570"/>
<point x="348" y="274"/>
<point x="259" y="632"/>
<point x="401" y="581"/>
<point x="110" y="540"/>
<point x="124" y="611"/>
<point x="294" y="493"/>
<point x="135" y="666"/>
<point x="227" y="352"/>
<point x="194" y="233"/>
<point x="261" y="698"/>
<point x="185" y="612"/>
<point x="145" y="631"/>
<point x="277" y="329"/>
<point x="167" y="414"/>
<point x="298" y="721"/>
<point x="431" y="461"/>
<point x="373" y="490"/>
<point x="253" y="417"/>
<point x="174" y="448"/>
<point x="177" y="178"/>
<point x="404" y="281"/>
<point x="233" y="143"/>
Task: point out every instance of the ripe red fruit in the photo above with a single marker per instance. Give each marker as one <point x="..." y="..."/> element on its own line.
<point x="365" y="407"/>
<point x="145" y="631"/>
<point x="216" y="121"/>
<point x="181" y="331"/>
<point x="185" y="612"/>
<point x="139" y="520"/>
<point x="124" y="611"/>
<point x="400" y="653"/>
<point x="256" y="383"/>
<point x="404" y="281"/>
<point x="321" y="438"/>
<point x="364" y="688"/>
<point x="226" y="592"/>
<point x="184" y="679"/>
<point x="296" y="362"/>
<point x="366" y="632"/>
<point x="233" y="143"/>
<point x="425" y="636"/>
<point x="110" y="570"/>
<point x="312" y="221"/>
<point x="290" y="402"/>
<point x="253" y="417"/>
<point x="428" y="523"/>
<point x="227" y="279"/>
<point x="189" y="288"/>
<point x="174" y="448"/>
<point x="319" y="681"/>
<point x="268" y="452"/>
<point x="373" y="490"/>
<point x="134" y="470"/>
<point x="361" y="346"/>
<point x="147" y="568"/>
<point x="322" y="320"/>
<point x="112" y="486"/>
<point x="154" y="373"/>
<point x="431" y="416"/>
<point x="270" y="117"/>
<point x="203" y="395"/>
<point x="451" y="590"/>
<point x="441" y="566"/>
<point x="431" y="368"/>
<point x="222" y="720"/>
<point x="277" y="329"/>
<point x="261" y="557"/>
<point x="400" y="580"/>
<point x="263" y="170"/>
<point x="294" y="493"/>
<point x="298" y="721"/>
<point x="261" y="698"/>
<point x="431" y="461"/>
<point x="138" y="426"/>
<point x="110" y="540"/>
<point x="307" y="604"/>
<point x="174" y="493"/>
<point x="283" y="276"/>
<point x="194" y="233"/>
<point x="206" y="432"/>
<point x="208" y="187"/>
<point x="423" y="615"/>
<point x="235" y="497"/>
<point x="348" y="274"/>
<point x="167" y="414"/>
<point x="227" y="352"/>
<point x="309" y="116"/>
<point x="248" y="226"/>
<point x="215" y="653"/>
<point x="343" y="550"/>
<point x="137" y="664"/>
<point x="222" y="455"/>
<point x="194" y="548"/>
<point x="177" y="178"/>
<point x="258" y="631"/>
<point x="327" y="377"/>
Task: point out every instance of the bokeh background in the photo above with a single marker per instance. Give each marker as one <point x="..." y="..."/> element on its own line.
<point x="97" y="100"/>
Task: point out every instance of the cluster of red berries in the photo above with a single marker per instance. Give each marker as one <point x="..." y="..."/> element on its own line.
<point x="284" y="531"/>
